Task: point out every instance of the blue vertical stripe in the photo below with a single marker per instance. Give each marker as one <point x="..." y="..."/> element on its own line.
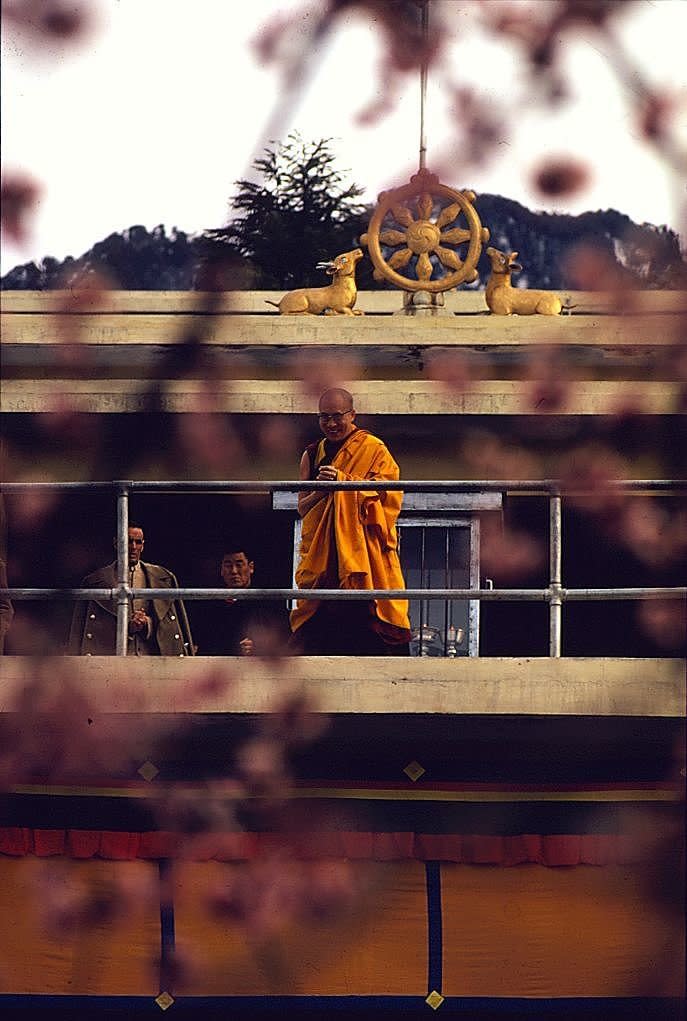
<point x="434" y="927"/>
<point x="167" y="938"/>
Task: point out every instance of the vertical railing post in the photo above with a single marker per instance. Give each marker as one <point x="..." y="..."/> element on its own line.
<point x="555" y="600"/>
<point x="122" y="568"/>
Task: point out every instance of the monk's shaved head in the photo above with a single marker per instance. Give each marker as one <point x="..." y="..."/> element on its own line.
<point x="336" y="414"/>
<point x="337" y="395"/>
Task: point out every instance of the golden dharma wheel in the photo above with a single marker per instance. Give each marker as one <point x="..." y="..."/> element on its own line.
<point x="421" y="220"/>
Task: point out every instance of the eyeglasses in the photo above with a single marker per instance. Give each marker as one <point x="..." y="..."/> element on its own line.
<point x="336" y="417"/>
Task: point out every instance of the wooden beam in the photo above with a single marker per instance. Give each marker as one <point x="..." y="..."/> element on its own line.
<point x="373" y="397"/>
<point x="384" y="685"/>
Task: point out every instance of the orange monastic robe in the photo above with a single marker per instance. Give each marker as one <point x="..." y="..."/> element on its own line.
<point x="363" y="526"/>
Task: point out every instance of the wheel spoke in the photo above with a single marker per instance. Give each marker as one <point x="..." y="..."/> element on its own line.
<point x="448" y="258"/>
<point x="392" y="237"/>
<point x="448" y="214"/>
<point x="402" y="215"/>
<point x="455" y="236"/>
<point x="424" y="266"/>
<point x="424" y="206"/>
<point x="400" y="259"/>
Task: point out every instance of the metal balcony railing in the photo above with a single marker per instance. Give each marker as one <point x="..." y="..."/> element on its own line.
<point x="555" y="593"/>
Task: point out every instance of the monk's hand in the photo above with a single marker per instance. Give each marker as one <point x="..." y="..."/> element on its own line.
<point x="327" y="473"/>
<point x="246" y="647"/>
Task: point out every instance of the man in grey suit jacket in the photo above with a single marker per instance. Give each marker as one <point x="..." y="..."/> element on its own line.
<point x="157" y="627"/>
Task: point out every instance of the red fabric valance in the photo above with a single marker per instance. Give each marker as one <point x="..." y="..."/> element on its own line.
<point x="546" y="849"/>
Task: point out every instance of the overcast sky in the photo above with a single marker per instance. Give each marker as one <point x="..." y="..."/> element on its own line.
<point x="160" y="112"/>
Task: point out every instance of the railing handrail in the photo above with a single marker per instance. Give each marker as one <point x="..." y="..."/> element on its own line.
<point x="555" y="594"/>
<point x="550" y="486"/>
<point x="252" y="594"/>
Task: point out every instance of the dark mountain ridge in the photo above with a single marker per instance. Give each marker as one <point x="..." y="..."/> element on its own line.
<point x="549" y="247"/>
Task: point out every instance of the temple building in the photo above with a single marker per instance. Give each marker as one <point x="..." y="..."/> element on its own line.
<point x="488" y="827"/>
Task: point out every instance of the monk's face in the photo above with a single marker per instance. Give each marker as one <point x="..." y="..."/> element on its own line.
<point x="336" y="416"/>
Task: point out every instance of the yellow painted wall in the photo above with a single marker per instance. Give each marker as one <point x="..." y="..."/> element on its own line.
<point x="113" y="958"/>
<point x="581" y="931"/>
<point x="525" y="931"/>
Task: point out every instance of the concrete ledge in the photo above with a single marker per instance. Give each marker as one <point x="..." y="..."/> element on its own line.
<point x="372" y="302"/>
<point x="380" y="397"/>
<point x="595" y="329"/>
<point x="479" y="686"/>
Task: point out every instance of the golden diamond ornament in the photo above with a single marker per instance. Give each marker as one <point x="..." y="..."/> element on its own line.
<point x="148" y="771"/>
<point x="414" y="770"/>
<point x="434" y="1000"/>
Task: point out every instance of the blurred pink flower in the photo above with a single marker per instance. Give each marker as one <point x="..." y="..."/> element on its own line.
<point x="19" y="196"/>
<point x="69" y="901"/>
<point x="60" y="420"/>
<point x="28" y="511"/>
<point x="196" y="812"/>
<point x="284" y="42"/>
<point x="506" y="553"/>
<point x="55" y="732"/>
<point x="644" y="528"/>
<point x="294" y="720"/>
<point x="82" y="296"/>
<point x="269" y="894"/>
<point x="589" y="268"/>
<point x="207" y="440"/>
<point x="657" y="113"/>
<point x="587" y="477"/>
<point x="263" y="896"/>
<point x="51" y="21"/>
<point x="561" y="175"/>
<point x="277" y="438"/>
<point x="548" y="383"/>
<point x="407" y="48"/>
<point x="261" y="764"/>
<point x="540" y="27"/>
<point x="213" y="683"/>
<point x="483" y="127"/>
<point x="590" y="12"/>
<point x="486" y="456"/>
<point x="455" y="369"/>
<point x="317" y="372"/>
<point x="332" y="889"/>
<point x="664" y="621"/>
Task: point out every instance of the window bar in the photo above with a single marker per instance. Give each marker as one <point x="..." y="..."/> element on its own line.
<point x="122" y="569"/>
<point x="448" y="606"/>
<point x="555" y="591"/>
<point x="424" y="605"/>
<point x="474" y="583"/>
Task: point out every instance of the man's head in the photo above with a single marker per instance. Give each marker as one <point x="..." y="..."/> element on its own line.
<point x="136" y="543"/>
<point x="336" y="414"/>
<point x="236" y="569"/>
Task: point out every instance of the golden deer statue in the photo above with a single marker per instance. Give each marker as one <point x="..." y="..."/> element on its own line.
<point x="505" y="300"/>
<point x="337" y="299"/>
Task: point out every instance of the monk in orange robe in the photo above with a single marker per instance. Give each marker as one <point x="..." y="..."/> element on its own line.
<point x="349" y="541"/>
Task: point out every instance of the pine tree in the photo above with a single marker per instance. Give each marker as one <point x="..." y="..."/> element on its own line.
<point x="300" y="212"/>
